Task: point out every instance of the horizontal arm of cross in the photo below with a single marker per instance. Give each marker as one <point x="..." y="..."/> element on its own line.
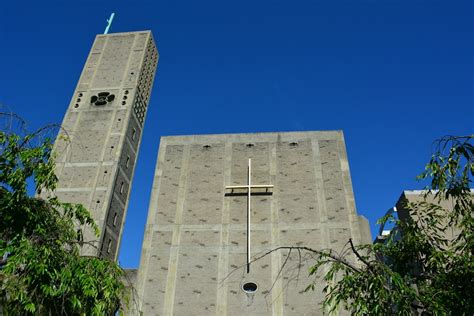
<point x="253" y="186"/>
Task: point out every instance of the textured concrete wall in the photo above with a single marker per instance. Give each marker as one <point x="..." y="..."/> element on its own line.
<point x="98" y="147"/>
<point x="417" y="196"/>
<point x="194" y="250"/>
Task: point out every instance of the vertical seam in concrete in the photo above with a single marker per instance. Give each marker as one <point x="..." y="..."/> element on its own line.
<point x="106" y="42"/>
<point x="174" y="250"/>
<point x="149" y="231"/>
<point x="221" y="304"/>
<point x="346" y="177"/>
<point x="110" y="189"/>
<point x="318" y="173"/>
<point x="129" y="108"/>
<point x="91" y="189"/>
<point x="348" y="192"/>
<point x="124" y="75"/>
<point x="123" y="143"/>
<point x="84" y="69"/>
<point x="111" y="186"/>
<point x="319" y="180"/>
<point x="277" y="291"/>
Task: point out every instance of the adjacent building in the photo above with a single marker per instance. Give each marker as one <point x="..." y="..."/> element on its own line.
<point x="402" y="211"/>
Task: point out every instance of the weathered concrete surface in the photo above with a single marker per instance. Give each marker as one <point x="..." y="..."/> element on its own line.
<point x="416" y="196"/>
<point x="98" y="147"/>
<point x="194" y="250"/>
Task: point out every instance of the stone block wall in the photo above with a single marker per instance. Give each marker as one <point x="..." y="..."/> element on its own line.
<point x="195" y="247"/>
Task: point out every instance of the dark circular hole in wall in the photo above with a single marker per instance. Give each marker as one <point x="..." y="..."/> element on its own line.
<point x="250" y="287"/>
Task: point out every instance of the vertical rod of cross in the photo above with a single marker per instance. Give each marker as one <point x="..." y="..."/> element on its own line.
<point x="249" y="194"/>
<point x="249" y="188"/>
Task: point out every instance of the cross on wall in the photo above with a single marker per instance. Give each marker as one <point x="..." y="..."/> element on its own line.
<point x="248" y="187"/>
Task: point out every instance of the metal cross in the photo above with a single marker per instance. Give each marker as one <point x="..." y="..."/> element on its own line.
<point x="249" y="188"/>
<point x="109" y="23"/>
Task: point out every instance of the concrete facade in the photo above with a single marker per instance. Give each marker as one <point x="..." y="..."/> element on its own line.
<point x="417" y="196"/>
<point x="98" y="146"/>
<point x="193" y="258"/>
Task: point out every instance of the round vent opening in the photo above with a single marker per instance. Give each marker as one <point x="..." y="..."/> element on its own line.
<point x="250" y="287"/>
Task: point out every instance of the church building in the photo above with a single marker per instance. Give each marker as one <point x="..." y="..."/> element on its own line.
<point x="220" y="203"/>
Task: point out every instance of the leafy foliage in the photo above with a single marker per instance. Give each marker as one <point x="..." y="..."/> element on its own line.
<point x="41" y="269"/>
<point x="424" y="267"/>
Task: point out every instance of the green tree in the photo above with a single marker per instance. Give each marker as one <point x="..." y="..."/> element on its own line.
<point x="41" y="269"/>
<point x="425" y="267"/>
<point x="419" y="269"/>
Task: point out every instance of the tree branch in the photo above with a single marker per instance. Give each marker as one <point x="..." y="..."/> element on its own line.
<point x="299" y="248"/>
<point x="360" y="257"/>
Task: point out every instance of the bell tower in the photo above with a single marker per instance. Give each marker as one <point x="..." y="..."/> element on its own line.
<point x="98" y="146"/>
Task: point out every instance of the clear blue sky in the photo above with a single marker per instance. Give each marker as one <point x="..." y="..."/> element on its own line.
<point x="394" y="75"/>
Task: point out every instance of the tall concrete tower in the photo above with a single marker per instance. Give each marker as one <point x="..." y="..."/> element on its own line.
<point x="97" y="150"/>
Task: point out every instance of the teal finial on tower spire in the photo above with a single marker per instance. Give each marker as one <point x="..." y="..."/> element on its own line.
<point x="109" y="23"/>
